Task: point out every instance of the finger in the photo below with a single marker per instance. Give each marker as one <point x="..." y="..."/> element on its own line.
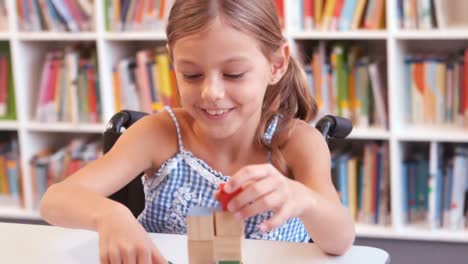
<point x="246" y="174"/>
<point x="144" y="257"/>
<point x="114" y="256"/>
<point x="277" y="220"/>
<point x="271" y="201"/>
<point x="128" y="255"/>
<point x="251" y="193"/>
<point x="103" y="258"/>
<point x="103" y="254"/>
<point x="156" y="257"/>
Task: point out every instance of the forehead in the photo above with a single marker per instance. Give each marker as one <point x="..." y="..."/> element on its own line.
<point x="218" y="42"/>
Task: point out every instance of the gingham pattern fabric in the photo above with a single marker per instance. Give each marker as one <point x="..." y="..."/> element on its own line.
<point x="184" y="181"/>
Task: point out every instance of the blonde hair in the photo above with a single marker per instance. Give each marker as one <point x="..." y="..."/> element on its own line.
<point x="290" y="97"/>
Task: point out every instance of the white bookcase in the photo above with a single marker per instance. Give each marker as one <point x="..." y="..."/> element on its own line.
<point x="28" y="49"/>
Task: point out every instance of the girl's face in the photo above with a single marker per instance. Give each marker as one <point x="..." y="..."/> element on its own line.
<point x="222" y="76"/>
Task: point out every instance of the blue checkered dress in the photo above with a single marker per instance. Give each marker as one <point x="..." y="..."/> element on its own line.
<point x="184" y="181"/>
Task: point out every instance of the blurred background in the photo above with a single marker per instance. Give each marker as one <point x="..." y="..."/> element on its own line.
<point x="395" y="68"/>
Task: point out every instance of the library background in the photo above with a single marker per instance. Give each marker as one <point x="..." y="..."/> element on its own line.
<point x="397" y="68"/>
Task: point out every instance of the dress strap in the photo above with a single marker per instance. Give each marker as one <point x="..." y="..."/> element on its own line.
<point x="176" y="123"/>
<point x="271" y="129"/>
<point x="270" y="132"/>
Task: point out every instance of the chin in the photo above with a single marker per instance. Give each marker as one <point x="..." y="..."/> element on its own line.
<point x="218" y="127"/>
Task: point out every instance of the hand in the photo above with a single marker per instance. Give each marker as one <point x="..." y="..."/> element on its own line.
<point x="123" y="240"/>
<point x="265" y="189"/>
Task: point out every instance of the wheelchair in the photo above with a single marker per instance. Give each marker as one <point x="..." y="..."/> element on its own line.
<point x="132" y="195"/>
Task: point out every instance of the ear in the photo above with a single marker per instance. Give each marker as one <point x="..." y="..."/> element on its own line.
<point x="167" y="48"/>
<point x="279" y="63"/>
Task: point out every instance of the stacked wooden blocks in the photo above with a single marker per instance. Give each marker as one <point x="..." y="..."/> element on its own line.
<point x="200" y="234"/>
<point x="214" y="236"/>
<point x="229" y="236"/>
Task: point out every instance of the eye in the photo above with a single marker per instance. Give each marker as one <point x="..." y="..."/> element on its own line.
<point x="234" y="76"/>
<point x="191" y="76"/>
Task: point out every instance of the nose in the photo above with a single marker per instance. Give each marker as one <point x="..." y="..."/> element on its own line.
<point x="213" y="89"/>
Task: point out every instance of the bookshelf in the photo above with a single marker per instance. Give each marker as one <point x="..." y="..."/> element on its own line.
<point x="27" y="50"/>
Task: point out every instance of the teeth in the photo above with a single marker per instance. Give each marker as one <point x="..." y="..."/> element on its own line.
<point x="216" y="112"/>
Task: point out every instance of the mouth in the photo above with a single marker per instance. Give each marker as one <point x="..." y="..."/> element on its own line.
<point x="217" y="113"/>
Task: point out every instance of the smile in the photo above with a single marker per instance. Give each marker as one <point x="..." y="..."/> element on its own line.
<point x="217" y="114"/>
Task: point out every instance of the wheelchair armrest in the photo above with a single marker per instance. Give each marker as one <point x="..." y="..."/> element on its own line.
<point x="123" y="119"/>
<point x="334" y="127"/>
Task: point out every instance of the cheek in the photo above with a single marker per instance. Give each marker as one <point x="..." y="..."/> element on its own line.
<point x="186" y="91"/>
<point x="250" y="94"/>
<point x="187" y="97"/>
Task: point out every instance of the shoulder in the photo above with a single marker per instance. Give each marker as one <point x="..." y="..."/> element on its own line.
<point x="157" y="135"/>
<point x="299" y="135"/>
<point x="304" y="148"/>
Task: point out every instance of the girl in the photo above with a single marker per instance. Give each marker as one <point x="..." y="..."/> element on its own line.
<point x="244" y="121"/>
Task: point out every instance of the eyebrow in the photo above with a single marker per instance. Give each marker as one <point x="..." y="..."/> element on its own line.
<point x="236" y="59"/>
<point x="230" y="60"/>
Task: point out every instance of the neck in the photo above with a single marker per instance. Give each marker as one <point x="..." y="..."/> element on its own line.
<point x="233" y="148"/>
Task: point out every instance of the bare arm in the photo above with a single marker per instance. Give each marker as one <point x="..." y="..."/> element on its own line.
<point x="311" y="196"/>
<point x="80" y="200"/>
<point x="328" y="222"/>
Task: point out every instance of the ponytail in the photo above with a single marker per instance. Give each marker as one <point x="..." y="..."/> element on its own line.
<point x="290" y="98"/>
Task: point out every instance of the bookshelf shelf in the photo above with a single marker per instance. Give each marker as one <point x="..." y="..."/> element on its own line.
<point x="348" y="35"/>
<point x="57" y="36"/>
<point x="422" y="232"/>
<point x="432" y="34"/>
<point x="413" y="232"/>
<point x="432" y="133"/>
<point x="8" y="125"/>
<point x="17" y="213"/>
<point x="369" y="133"/>
<point x="5" y="36"/>
<point x="132" y="36"/>
<point x="374" y="231"/>
<point x="66" y="127"/>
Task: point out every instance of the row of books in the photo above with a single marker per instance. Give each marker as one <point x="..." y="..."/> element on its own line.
<point x="10" y="173"/>
<point x="55" y="15"/>
<point x="7" y="93"/>
<point x="145" y="82"/>
<point x="416" y="14"/>
<point x="3" y="16"/>
<point x="120" y="15"/>
<point x="52" y="165"/>
<point x="127" y="15"/>
<point x="69" y="89"/>
<point x="363" y="182"/>
<point x="431" y="14"/>
<point x="436" y="190"/>
<point x="346" y="82"/>
<point x="338" y="14"/>
<point x="437" y="89"/>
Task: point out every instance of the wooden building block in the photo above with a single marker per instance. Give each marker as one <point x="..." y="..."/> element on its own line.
<point x="200" y="224"/>
<point x="228" y="248"/>
<point x="227" y="225"/>
<point x="201" y="252"/>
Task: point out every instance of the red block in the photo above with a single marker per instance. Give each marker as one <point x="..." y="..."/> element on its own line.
<point x="224" y="197"/>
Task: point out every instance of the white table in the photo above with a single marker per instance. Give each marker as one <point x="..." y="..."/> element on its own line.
<point x="48" y="244"/>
